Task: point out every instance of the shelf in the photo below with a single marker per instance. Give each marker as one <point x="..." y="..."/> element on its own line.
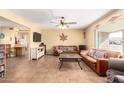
<point x="2" y="61"/>
<point x="2" y="71"/>
<point x="2" y="51"/>
<point x="2" y="58"/>
<point x="2" y="64"/>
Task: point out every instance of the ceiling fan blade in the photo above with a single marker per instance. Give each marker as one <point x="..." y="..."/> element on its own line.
<point x="57" y="22"/>
<point x="57" y="25"/>
<point x="70" y="22"/>
<point x="67" y="26"/>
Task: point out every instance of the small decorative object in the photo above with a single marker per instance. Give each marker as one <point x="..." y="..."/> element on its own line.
<point x="16" y="40"/>
<point x="84" y="35"/>
<point x="10" y="38"/>
<point x="41" y="44"/>
<point x="2" y="36"/>
<point x="63" y="37"/>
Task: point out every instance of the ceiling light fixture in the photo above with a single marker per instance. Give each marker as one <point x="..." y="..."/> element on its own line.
<point x="63" y="26"/>
<point x="62" y="23"/>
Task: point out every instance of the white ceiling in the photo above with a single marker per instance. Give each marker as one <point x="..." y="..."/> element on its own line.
<point x="113" y="26"/>
<point x="42" y="17"/>
<point x="8" y="23"/>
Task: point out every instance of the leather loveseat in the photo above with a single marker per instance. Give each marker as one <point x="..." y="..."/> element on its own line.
<point x="65" y="49"/>
<point x="98" y="59"/>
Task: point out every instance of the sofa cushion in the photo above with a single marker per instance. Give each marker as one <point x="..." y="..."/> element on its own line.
<point x="113" y="54"/>
<point x="91" y="52"/>
<point x="119" y="79"/>
<point x="111" y="73"/>
<point x="65" y="49"/>
<point x="116" y="63"/>
<point x="100" y="54"/>
<point x="84" y="52"/>
<point x="122" y="56"/>
<point x="90" y="58"/>
<point x="70" y="49"/>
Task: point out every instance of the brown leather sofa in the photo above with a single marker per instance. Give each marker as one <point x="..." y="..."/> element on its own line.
<point x="65" y="49"/>
<point x="98" y="59"/>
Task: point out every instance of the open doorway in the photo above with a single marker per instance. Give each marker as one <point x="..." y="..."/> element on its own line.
<point x="21" y="46"/>
<point x="16" y="38"/>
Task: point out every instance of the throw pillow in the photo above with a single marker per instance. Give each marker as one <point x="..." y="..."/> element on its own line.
<point x="99" y="54"/>
<point x="91" y="53"/>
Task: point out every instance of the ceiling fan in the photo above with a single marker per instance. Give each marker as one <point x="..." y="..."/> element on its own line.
<point x="62" y="23"/>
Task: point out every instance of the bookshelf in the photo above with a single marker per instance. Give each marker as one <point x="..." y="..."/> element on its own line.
<point x="2" y="61"/>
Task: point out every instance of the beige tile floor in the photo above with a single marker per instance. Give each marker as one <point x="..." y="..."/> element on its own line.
<point x="46" y="70"/>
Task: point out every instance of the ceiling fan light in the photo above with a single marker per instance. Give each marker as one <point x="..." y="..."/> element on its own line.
<point x="62" y="26"/>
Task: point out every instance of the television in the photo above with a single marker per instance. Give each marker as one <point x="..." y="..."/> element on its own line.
<point x="36" y="37"/>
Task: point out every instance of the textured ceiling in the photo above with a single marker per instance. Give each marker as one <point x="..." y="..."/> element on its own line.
<point x="42" y="17"/>
<point x="8" y="23"/>
<point x="113" y="26"/>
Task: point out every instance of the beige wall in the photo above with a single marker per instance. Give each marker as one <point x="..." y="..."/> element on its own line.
<point x="103" y="40"/>
<point x="103" y="36"/>
<point x="90" y="38"/>
<point x="9" y="35"/>
<point x="51" y="38"/>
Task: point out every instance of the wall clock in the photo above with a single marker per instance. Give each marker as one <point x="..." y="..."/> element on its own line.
<point x="2" y="36"/>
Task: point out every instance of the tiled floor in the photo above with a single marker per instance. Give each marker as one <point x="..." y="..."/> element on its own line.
<point x="46" y="70"/>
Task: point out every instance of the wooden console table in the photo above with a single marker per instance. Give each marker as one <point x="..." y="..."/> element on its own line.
<point x="19" y="50"/>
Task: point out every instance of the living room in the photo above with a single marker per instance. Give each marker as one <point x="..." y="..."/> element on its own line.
<point x="59" y="46"/>
<point x="63" y="35"/>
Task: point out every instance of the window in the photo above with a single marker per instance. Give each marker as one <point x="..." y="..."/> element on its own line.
<point x="110" y="41"/>
<point x="115" y="41"/>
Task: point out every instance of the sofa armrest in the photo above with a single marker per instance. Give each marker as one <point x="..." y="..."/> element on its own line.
<point x="102" y="66"/>
<point x="117" y="64"/>
<point x="119" y="79"/>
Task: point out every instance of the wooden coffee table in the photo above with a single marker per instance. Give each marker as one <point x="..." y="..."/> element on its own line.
<point x="70" y="58"/>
